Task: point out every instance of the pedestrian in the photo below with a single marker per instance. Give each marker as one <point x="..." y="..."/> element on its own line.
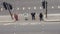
<point x="15" y="17"/>
<point x="33" y="16"/>
<point x="41" y="16"/>
<point x="26" y="16"/>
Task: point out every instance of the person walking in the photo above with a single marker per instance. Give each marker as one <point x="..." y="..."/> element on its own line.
<point x="15" y="17"/>
<point x="41" y="16"/>
<point x="33" y="16"/>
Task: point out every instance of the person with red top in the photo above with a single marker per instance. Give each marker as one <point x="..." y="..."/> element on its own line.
<point x="15" y="17"/>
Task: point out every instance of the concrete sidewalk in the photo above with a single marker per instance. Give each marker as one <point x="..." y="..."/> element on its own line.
<point x="6" y="18"/>
<point x="50" y="18"/>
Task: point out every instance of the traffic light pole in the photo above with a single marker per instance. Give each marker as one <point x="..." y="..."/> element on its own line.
<point x="44" y="4"/>
<point x="10" y="12"/>
<point x="46" y="9"/>
<point x="8" y="7"/>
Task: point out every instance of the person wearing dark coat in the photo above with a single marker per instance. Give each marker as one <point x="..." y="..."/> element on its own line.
<point x="41" y="16"/>
<point x="33" y="16"/>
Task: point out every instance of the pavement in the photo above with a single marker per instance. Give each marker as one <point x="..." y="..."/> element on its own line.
<point x="52" y="18"/>
<point x="21" y="17"/>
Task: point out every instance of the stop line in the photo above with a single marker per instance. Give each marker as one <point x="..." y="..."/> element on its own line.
<point x="24" y="24"/>
<point x="21" y="24"/>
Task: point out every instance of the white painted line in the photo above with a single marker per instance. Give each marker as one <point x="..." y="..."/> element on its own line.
<point x="23" y="23"/>
<point x="41" y="8"/>
<point x="17" y="8"/>
<point x="19" y="24"/>
<point x="23" y="8"/>
<point x="34" y="23"/>
<point x="34" y="7"/>
<point x="58" y="6"/>
<point x="52" y="6"/>
<point x="8" y="24"/>
<point x="1" y="9"/>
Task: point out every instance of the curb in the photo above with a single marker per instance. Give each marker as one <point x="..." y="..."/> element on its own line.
<point x="47" y="20"/>
<point x="51" y="21"/>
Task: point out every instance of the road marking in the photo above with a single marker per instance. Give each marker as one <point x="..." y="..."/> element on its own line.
<point x="17" y="8"/>
<point x="35" y="23"/>
<point x="32" y="23"/>
<point x="34" y="7"/>
<point x="8" y="23"/>
<point x="52" y="6"/>
<point x="23" y="8"/>
<point x="58" y="6"/>
<point x="1" y="9"/>
<point x="23" y="23"/>
<point x="41" y="8"/>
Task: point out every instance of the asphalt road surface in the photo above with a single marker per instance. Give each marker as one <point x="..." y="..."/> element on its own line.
<point x="31" y="28"/>
<point x="53" y="6"/>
